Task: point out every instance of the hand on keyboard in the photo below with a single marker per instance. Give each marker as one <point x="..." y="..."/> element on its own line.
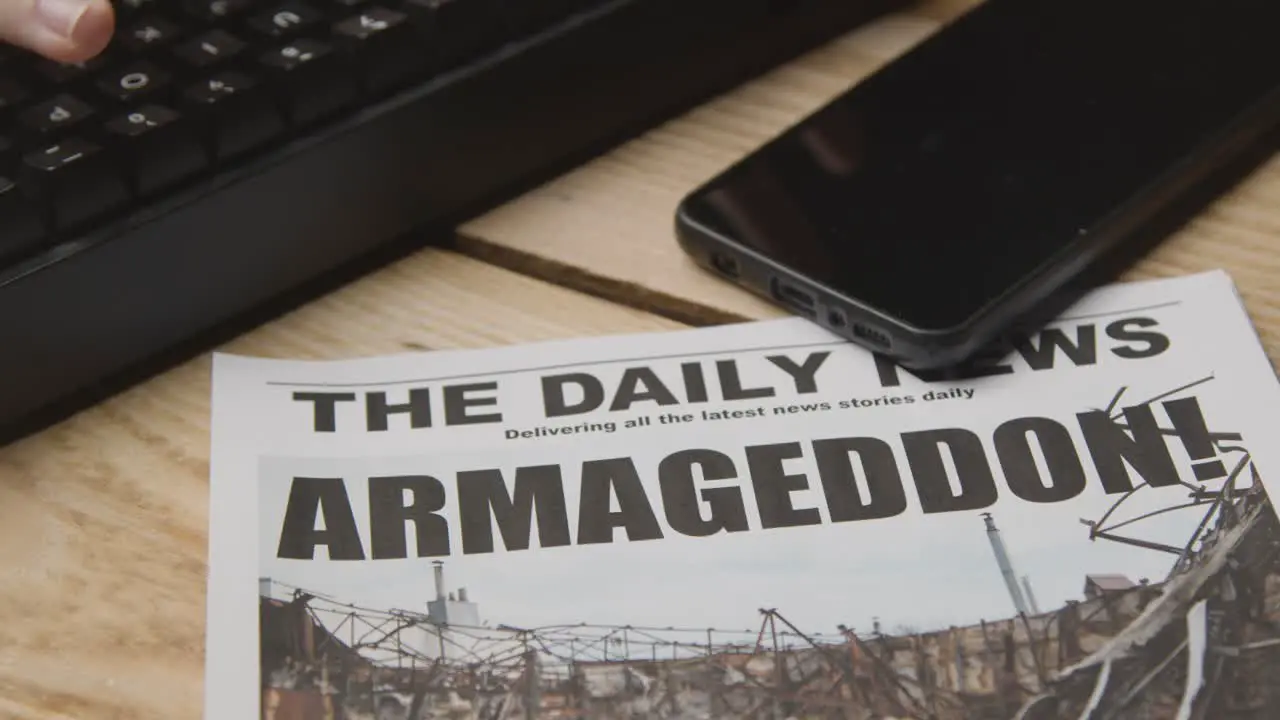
<point x="67" y="31"/>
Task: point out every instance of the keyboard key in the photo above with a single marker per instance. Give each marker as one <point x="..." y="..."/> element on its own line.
<point x="210" y="49"/>
<point x="384" y="45"/>
<point x="129" y="8"/>
<point x="12" y="93"/>
<point x="53" y="116"/>
<point x="371" y="22"/>
<point x="63" y="73"/>
<point x="457" y="29"/>
<point x="311" y="78"/>
<point x="133" y="81"/>
<point x="149" y="33"/>
<point x="77" y="181"/>
<point x="235" y="113"/>
<point x="215" y="10"/>
<point x="158" y="146"/>
<point x="21" y="227"/>
<point x="286" y="20"/>
<point x="59" y="73"/>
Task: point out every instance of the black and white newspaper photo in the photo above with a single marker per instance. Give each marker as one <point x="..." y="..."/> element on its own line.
<point x="758" y="520"/>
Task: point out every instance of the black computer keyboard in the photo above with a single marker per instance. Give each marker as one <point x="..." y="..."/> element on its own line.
<point x="223" y="153"/>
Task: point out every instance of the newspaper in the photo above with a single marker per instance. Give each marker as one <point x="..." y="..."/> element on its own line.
<point x="757" y="521"/>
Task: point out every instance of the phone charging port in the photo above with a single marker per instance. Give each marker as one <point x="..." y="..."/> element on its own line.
<point x="796" y="299"/>
<point x="872" y="336"/>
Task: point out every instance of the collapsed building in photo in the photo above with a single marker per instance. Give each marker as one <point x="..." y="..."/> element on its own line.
<point x="1200" y="644"/>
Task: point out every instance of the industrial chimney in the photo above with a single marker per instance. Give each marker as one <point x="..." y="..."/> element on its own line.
<point x="440" y="592"/>
<point x="1006" y="566"/>
<point x="1031" y="596"/>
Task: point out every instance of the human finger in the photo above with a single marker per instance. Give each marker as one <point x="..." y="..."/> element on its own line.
<point x="67" y="31"/>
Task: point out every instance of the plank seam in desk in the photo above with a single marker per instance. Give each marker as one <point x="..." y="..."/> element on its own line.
<point x="627" y="294"/>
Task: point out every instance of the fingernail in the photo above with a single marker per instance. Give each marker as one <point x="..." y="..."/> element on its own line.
<point x="62" y="16"/>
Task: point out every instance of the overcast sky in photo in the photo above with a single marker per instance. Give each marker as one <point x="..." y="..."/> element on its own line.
<point x="916" y="571"/>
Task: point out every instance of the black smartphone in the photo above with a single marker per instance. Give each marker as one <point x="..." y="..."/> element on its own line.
<point x="978" y="183"/>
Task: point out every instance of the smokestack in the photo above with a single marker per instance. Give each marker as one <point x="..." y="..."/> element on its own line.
<point x="462" y="594"/>
<point x="439" y="565"/>
<point x="1006" y="566"/>
<point x="1031" y="596"/>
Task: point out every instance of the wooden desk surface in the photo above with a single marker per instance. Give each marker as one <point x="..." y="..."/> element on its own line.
<point x="103" y="518"/>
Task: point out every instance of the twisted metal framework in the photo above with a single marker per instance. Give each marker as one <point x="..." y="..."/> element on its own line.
<point x="1023" y="668"/>
<point x="501" y="668"/>
<point x="379" y="632"/>
<point x="1209" y="647"/>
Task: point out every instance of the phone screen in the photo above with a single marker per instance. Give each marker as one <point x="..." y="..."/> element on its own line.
<point x="932" y="188"/>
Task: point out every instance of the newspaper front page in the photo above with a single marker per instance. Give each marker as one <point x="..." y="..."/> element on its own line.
<point x="757" y="521"/>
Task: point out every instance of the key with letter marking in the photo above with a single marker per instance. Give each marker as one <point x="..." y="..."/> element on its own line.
<point x="286" y="20"/>
<point x="235" y="113"/>
<point x="157" y="145"/>
<point x="76" y="180"/>
<point x="211" y="48"/>
<point x="133" y="81"/>
<point x="312" y="80"/>
<point x="56" y="115"/>
<point x="384" y="45"/>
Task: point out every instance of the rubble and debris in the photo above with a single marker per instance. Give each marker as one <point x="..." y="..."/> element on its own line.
<point x="1202" y="643"/>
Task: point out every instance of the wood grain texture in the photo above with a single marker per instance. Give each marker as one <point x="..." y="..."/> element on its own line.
<point x="607" y="227"/>
<point x="103" y="518"/>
